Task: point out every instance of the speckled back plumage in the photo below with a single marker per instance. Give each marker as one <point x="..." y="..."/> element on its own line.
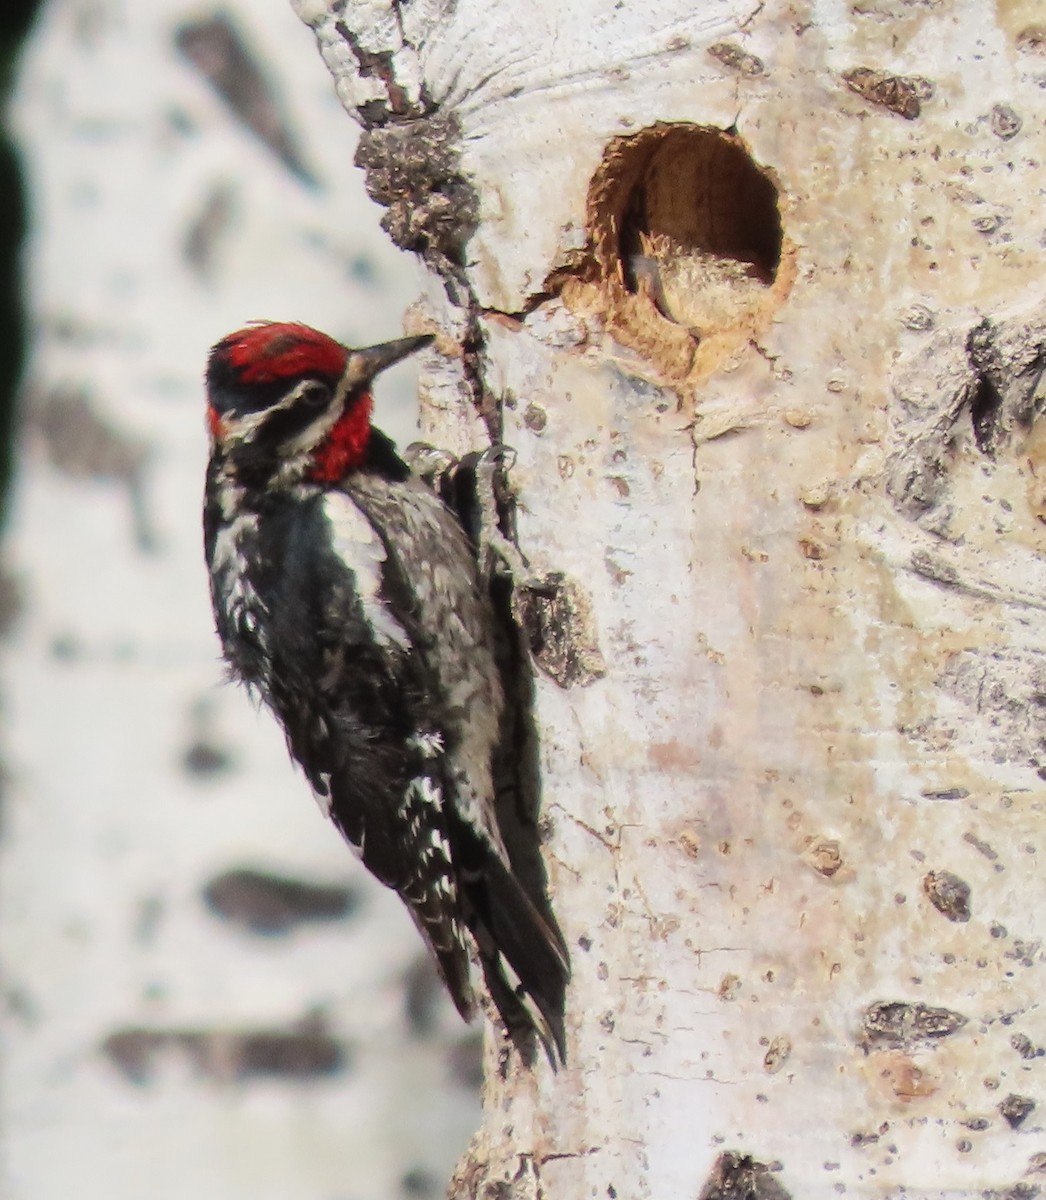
<point x="353" y="608"/>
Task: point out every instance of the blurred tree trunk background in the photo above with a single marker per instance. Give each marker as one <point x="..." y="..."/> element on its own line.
<point x="14" y="26"/>
<point x="203" y="993"/>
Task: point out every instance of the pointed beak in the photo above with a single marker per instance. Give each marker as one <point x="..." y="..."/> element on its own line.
<point x="363" y="365"/>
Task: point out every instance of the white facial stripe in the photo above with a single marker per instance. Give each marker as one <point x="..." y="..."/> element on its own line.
<point x="343" y="387"/>
<point x="315" y="432"/>
<point x="360" y="549"/>
<point x="244" y="428"/>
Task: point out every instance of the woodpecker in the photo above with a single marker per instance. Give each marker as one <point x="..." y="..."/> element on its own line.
<point x="349" y="599"/>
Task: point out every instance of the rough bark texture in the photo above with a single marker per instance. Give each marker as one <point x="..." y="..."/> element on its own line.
<point x="755" y="293"/>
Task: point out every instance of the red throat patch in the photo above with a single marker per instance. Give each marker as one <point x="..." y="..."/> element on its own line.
<point x="346" y="444"/>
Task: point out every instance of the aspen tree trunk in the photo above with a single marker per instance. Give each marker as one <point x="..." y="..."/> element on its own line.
<point x="755" y="293"/>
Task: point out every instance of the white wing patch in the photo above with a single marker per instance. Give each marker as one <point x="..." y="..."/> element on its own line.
<point x="360" y="549"/>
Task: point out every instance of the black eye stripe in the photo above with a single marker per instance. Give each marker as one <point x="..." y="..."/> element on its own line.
<point x="229" y="396"/>
<point x="282" y="424"/>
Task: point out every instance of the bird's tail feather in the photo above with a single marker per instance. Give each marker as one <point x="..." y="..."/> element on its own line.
<point x="524" y="958"/>
<point x="450" y="953"/>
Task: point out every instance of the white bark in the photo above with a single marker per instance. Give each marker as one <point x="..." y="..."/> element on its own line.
<point x="134" y="778"/>
<point x="811" y="539"/>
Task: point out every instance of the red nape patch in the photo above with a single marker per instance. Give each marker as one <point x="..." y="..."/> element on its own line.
<point x="345" y="445"/>
<point x="272" y="350"/>
<point x="214" y="422"/>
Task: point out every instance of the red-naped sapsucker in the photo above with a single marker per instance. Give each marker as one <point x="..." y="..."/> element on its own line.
<point x="347" y="596"/>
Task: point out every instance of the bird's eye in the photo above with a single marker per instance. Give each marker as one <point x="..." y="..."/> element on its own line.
<point x="315" y="394"/>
